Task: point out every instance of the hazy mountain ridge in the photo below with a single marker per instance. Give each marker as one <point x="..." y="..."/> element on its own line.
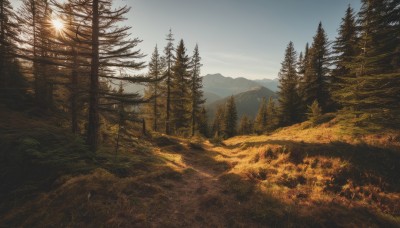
<point x="247" y="103"/>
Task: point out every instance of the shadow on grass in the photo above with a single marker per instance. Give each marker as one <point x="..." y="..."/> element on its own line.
<point x="378" y="165"/>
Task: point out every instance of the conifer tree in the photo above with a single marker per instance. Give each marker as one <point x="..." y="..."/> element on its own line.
<point x="245" y="125"/>
<point x="230" y="118"/>
<point x="260" y="122"/>
<point x="218" y="124"/>
<point x="180" y="89"/>
<point x="289" y="99"/>
<point x="203" y="122"/>
<point x="272" y="115"/>
<point x="317" y="72"/>
<point x="196" y="92"/>
<point x="315" y="112"/>
<point x="345" y="50"/>
<point x="169" y="60"/>
<point x="8" y="39"/>
<point x="156" y="66"/>
<point x="376" y="87"/>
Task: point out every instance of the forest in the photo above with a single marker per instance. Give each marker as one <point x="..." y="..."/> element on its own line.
<point x="78" y="148"/>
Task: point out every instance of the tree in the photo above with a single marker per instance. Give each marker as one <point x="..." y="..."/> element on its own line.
<point x="180" y="89"/>
<point x="196" y="92"/>
<point x="218" y="124"/>
<point x="272" y="115"/>
<point x="289" y="99"/>
<point x="168" y="74"/>
<point x="260" y="122"/>
<point x="8" y="38"/>
<point x="230" y="118"/>
<point x="317" y="73"/>
<point x="345" y="49"/>
<point x="156" y="66"/>
<point x="203" y="122"/>
<point x="315" y="112"/>
<point x="37" y="48"/>
<point x="117" y="51"/>
<point x="245" y="125"/>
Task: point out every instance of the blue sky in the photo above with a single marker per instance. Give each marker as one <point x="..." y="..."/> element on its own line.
<point x="236" y="38"/>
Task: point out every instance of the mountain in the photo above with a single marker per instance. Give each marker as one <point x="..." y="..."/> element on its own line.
<point x="271" y="84"/>
<point x="246" y="102"/>
<point x="227" y="86"/>
<point x="211" y="97"/>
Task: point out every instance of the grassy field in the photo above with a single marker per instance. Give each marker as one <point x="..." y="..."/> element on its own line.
<point x="301" y="176"/>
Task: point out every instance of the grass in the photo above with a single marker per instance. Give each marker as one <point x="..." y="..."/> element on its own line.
<point x="299" y="176"/>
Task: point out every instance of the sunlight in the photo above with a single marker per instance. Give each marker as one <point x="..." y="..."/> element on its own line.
<point x="57" y="24"/>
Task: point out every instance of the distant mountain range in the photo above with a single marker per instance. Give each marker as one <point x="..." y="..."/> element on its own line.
<point x="218" y="88"/>
<point x="247" y="103"/>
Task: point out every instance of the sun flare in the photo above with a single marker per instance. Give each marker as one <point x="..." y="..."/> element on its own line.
<point x="57" y="24"/>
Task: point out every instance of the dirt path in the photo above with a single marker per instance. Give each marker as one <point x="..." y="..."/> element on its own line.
<point x="199" y="200"/>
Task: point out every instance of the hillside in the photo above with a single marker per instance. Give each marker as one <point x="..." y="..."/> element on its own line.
<point x="247" y="103"/>
<point x="271" y="84"/>
<point x="227" y="86"/>
<point x="298" y="176"/>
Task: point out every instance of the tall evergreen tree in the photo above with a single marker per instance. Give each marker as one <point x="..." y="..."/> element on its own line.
<point x="203" y="122"/>
<point x="245" y="125"/>
<point x="196" y="92"/>
<point x="317" y="72"/>
<point x="180" y="89"/>
<point x="230" y="118"/>
<point x="260" y="122"/>
<point x="272" y="115"/>
<point x="289" y="99"/>
<point x="156" y="66"/>
<point x="8" y="38"/>
<point x="376" y="87"/>
<point x="218" y="124"/>
<point x="169" y="60"/>
<point x="345" y="50"/>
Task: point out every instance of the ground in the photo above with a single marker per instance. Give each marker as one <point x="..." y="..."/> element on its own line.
<point x="300" y="176"/>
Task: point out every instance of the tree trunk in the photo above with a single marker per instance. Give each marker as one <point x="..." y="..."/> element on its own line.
<point x="93" y="128"/>
<point x="74" y="93"/>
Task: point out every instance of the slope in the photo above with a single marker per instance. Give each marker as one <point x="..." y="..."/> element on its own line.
<point x="247" y="103"/>
<point x="329" y="178"/>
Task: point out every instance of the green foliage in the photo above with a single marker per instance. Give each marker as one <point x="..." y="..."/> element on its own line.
<point x="180" y="89"/>
<point x="245" y="125"/>
<point x="315" y="112"/>
<point x="315" y="83"/>
<point x="289" y="99"/>
<point x="260" y="122"/>
<point x="230" y="118"/>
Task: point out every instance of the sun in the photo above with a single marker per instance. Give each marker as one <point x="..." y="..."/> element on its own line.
<point x="57" y="24"/>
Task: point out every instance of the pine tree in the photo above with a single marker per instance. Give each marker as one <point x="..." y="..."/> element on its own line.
<point x="8" y="38"/>
<point x="196" y="92"/>
<point x="317" y="73"/>
<point x="345" y="49"/>
<point x="203" y="122"/>
<point x="315" y="112"/>
<point x="289" y="99"/>
<point x="272" y="115"/>
<point x="169" y="58"/>
<point x="376" y="87"/>
<point x="260" y="122"/>
<point x="180" y="88"/>
<point x="218" y="129"/>
<point x="156" y="66"/>
<point x="245" y="125"/>
<point x="230" y="118"/>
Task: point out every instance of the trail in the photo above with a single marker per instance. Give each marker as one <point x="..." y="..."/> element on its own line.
<point x="199" y="200"/>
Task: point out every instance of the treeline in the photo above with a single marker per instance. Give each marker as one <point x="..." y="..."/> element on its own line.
<point x="71" y="56"/>
<point x="176" y="94"/>
<point x="358" y="74"/>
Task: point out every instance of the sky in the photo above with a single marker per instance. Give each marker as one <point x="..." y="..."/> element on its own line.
<point x="237" y="38"/>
